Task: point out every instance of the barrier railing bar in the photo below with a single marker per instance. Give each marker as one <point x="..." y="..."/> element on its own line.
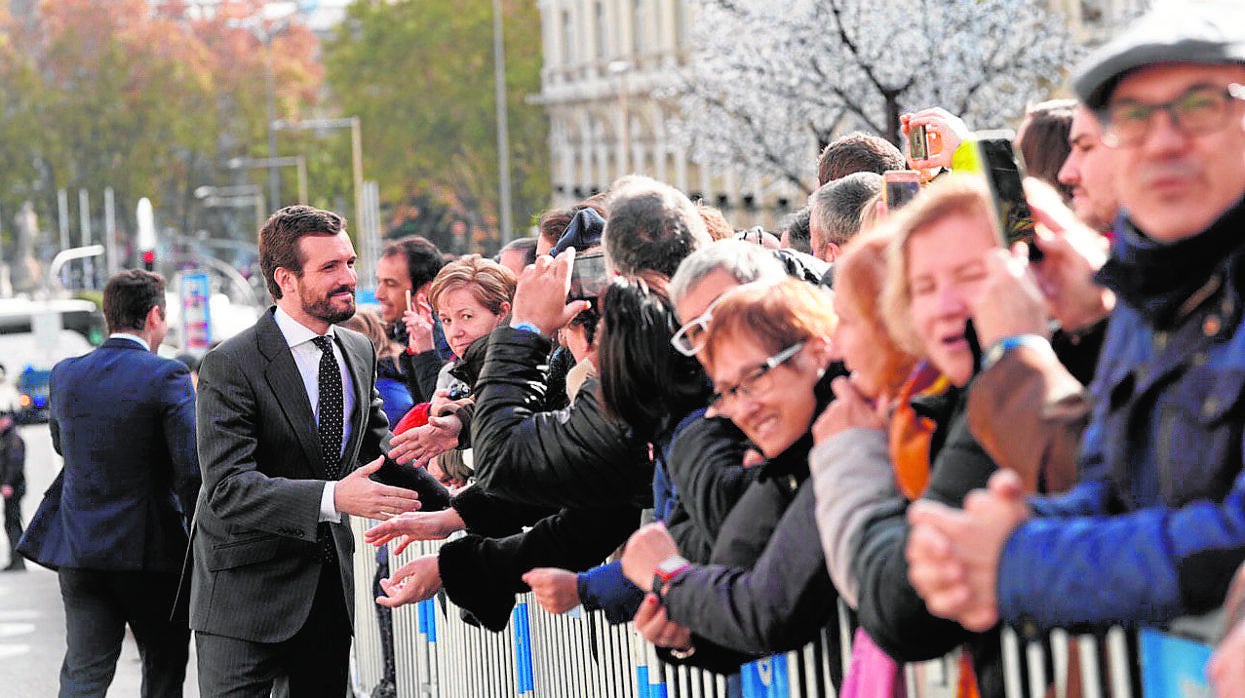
<point x="1117" y="661"/>
<point x="1091" y="677"/>
<point x="1011" y="664"/>
<point x="1059" y="661"/>
<point x="1036" y="655"/>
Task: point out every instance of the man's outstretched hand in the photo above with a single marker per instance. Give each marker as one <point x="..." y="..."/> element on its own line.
<point x="358" y="495"/>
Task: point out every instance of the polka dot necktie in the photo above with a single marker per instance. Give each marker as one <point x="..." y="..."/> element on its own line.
<point x="331" y="405"/>
<point x="330" y="428"/>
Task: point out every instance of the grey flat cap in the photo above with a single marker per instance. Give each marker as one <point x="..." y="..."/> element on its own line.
<point x="1188" y="31"/>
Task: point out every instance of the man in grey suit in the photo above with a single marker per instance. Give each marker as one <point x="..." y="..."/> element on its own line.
<point x="287" y="410"/>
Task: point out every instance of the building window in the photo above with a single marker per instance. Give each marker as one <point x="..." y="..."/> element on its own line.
<point x="680" y="24"/>
<point x="568" y="38"/>
<point x="599" y="15"/>
<point x="639" y="28"/>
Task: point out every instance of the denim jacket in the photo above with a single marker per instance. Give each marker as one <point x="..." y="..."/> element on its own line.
<point x="1157" y="526"/>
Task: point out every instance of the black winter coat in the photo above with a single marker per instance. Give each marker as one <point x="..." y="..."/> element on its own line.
<point x="890" y="610"/>
<point x="705" y="465"/>
<point x="575" y="457"/>
<point x="526" y="461"/>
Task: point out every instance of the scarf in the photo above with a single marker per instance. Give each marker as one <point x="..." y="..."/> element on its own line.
<point x="1158" y="278"/>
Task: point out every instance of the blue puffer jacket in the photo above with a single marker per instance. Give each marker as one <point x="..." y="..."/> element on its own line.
<point x="1157" y="526"/>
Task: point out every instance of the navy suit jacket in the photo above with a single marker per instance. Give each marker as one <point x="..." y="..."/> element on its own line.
<point x="124" y="420"/>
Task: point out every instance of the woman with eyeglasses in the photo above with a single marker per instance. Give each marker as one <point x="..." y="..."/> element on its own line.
<point x="766" y="588"/>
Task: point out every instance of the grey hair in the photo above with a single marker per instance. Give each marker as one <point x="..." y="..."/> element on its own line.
<point x="837" y="205"/>
<point x="744" y="261"/>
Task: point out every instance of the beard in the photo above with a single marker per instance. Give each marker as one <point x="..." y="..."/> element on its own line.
<point x="325" y="308"/>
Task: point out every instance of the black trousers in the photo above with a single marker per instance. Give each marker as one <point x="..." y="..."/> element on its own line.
<point x="13" y="520"/>
<point x="98" y="606"/>
<point x="315" y="662"/>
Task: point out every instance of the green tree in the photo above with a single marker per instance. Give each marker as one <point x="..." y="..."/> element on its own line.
<point x="419" y="74"/>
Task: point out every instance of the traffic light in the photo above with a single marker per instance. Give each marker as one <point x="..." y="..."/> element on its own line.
<point x="149" y="260"/>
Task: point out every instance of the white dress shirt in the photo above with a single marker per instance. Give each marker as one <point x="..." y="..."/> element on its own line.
<point x="307" y="358"/>
<point x="132" y="338"/>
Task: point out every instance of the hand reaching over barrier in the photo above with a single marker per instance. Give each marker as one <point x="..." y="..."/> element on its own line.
<point x="415" y="581"/>
<point x="646" y="549"/>
<point x="556" y="590"/>
<point x="413" y="526"/>
<point x="421" y="443"/>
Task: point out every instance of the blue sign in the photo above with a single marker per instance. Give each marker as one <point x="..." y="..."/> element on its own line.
<point x="196" y="293"/>
<point x="1173" y="666"/>
<point x="766" y="678"/>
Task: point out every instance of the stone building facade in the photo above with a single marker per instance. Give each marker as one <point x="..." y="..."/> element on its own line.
<point x="605" y="59"/>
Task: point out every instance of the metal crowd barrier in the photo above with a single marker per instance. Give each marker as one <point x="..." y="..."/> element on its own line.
<point x="1119" y="663"/>
<point x="578" y="655"/>
<point x="541" y="655"/>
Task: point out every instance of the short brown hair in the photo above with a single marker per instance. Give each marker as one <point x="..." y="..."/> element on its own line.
<point x="715" y="222"/>
<point x="858" y="152"/>
<point x="278" y="239"/>
<point x="129" y="296"/>
<point x="955" y="194"/>
<point x="490" y="283"/>
<point x="423" y="259"/>
<point x="776" y="315"/>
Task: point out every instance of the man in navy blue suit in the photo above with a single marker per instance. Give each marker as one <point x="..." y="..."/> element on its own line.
<point x="114" y="523"/>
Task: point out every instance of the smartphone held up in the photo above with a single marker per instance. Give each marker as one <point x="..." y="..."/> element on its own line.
<point x="900" y="187"/>
<point x="1003" y="168"/>
<point x="588" y="277"/>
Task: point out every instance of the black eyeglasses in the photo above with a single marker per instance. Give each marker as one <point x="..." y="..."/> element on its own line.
<point x="758" y="381"/>
<point x="1202" y="109"/>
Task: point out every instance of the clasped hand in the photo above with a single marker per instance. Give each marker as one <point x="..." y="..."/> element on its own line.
<point x="357" y="495"/>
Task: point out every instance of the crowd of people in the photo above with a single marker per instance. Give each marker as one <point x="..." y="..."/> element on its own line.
<point x="727" y="438"/>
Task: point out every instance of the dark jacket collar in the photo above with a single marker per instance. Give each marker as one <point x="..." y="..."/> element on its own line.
<point x="1160" y="279"/>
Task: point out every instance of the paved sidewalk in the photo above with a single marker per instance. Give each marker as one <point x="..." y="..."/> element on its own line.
<point x="32" y="619"/>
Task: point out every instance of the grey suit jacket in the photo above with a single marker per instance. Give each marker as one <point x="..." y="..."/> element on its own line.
<point x="255" y="558"/>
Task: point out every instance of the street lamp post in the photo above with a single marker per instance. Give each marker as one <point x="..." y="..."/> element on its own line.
<point x="297" y="161"/>
<point x="503" y="125"/>
<point x="265" y="36"/>
<point x="356" y="148"/>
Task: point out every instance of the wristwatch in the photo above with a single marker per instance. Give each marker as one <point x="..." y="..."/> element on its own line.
<point x="1000" y="348"/>
<point x="666" y="572"/>
<point x="528" y="327"/>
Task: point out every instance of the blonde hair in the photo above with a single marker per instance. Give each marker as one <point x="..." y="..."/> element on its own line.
<point x="859" y="281"/>
<point x="953" y="195"/>
<point x="491" y="284"/>
<point x="775" y="315"/>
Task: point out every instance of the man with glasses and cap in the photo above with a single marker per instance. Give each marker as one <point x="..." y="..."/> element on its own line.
<point x="1156" y="528"/>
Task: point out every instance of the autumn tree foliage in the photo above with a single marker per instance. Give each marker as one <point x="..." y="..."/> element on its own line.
<point x="769" y="83"/>
<point x="146" y="98"/>
<point x="420" y="76"/>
